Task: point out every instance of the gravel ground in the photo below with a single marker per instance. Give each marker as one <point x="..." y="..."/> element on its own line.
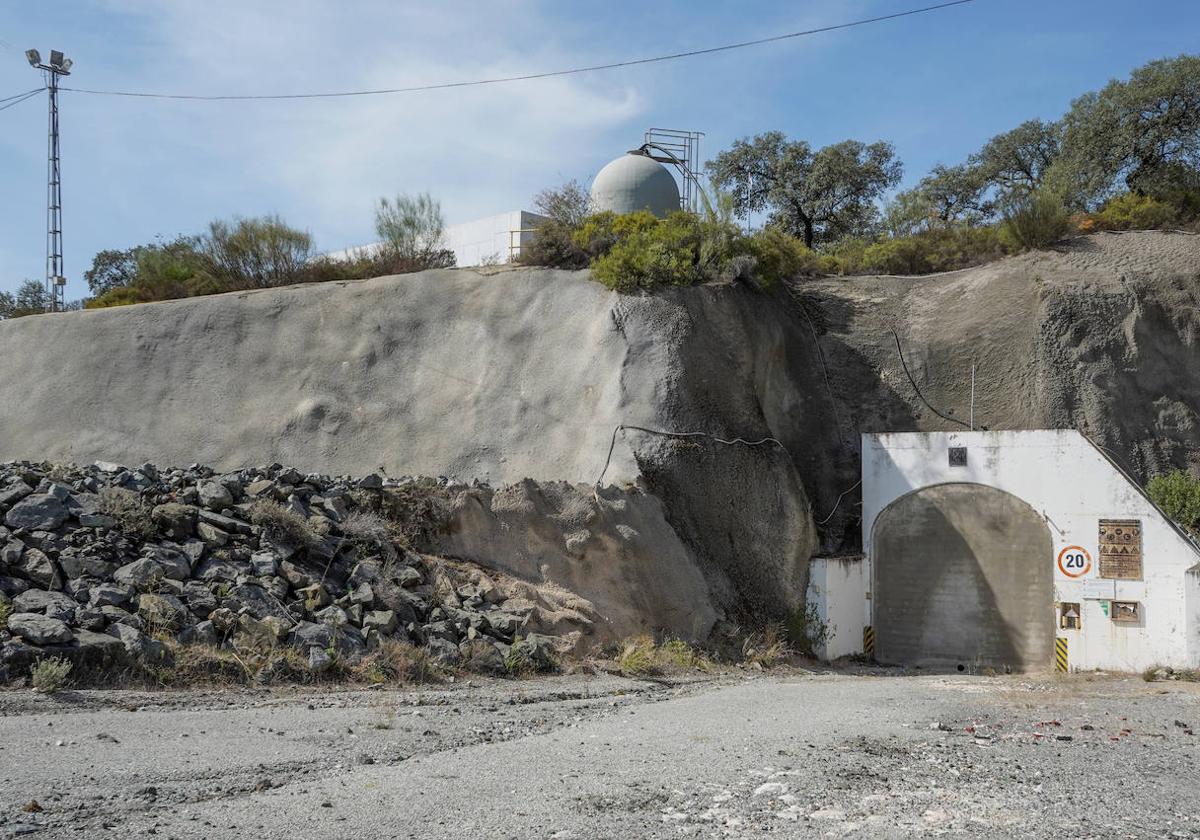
<point x="797" y="754"/>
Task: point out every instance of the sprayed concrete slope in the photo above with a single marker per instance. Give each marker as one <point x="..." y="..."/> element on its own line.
<point x="502" y="377"/>
<point x="444" y="373"/>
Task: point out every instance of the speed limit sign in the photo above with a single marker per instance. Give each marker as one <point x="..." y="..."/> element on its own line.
<point x="1074" y="561"/>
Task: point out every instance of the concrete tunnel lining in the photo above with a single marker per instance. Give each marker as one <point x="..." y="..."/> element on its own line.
<point x="961" y="577"/>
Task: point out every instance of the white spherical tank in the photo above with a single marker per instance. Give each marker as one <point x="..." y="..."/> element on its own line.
<point x="633" y="182"/>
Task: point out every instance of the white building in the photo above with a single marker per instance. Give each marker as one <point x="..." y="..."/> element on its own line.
<point x="1016" y="549"/>
<point x="494" y="239"/>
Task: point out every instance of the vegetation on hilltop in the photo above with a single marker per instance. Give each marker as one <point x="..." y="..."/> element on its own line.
<point x="1126" y="157"/>
<point x="263" y="253"/>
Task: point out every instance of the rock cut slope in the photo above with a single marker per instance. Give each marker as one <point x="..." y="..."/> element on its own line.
<point x="525" y="373"/>
<point x="502" y="377"/>
<point x="1098" y="334"/>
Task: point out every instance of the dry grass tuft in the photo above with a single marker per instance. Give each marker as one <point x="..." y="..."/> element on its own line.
<point x="767" y="648"/>
<point x="130" y="511"/>
<point x="396" y="663"/>
<point x="643" y="656"/>
<point x="1165" y="672"/>
<point x="283" y="524"/>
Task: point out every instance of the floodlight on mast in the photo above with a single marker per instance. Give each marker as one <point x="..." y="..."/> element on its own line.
<point x="56" y="281"/>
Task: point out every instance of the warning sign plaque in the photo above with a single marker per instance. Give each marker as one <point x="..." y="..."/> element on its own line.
<point x="1121" y="549"/>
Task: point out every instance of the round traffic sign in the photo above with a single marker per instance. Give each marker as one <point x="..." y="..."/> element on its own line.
<point x="1074" y="561"/>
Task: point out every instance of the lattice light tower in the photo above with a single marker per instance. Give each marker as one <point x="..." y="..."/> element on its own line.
<point x="56" y="281"/>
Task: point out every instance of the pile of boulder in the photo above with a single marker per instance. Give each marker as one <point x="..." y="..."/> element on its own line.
<point x="106" y="564"/>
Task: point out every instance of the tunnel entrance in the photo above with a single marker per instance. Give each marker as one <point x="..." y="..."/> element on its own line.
<point x="963" y="576"/>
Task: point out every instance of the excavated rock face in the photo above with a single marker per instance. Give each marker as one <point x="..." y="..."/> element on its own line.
<point x="526" y="373"/>
<point x="1098" y="334"/>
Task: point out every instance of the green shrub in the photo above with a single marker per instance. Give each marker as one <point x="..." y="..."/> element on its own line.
<point x="30" y="298"/>
<point x="562" y="243"/>
<point x="254" y="253"/>
<point x="778" y="255"/>
<point x="907" y="255"/>
<point x="643" y="656"/>
<point x="5" y="612"/>
<point x="411" y="228"/>
<point x="50" y="675"/>
<point x="845" y="256"/>
<point x="600" y="232"/>
<point x="1178" y="494"/>
<point x="398" y="662"/>
<point x="554" y="246"/>
<point x="806" y="631"/>
<point x="665" y="253"/>
<point x="1131" y="211"/>
<point x="568" y="205"/>
<point x="768" y="648"/>
<point x="162" y="271"/>
<point x="938" y="249"/>
<point x="636" y="656"/>
<point x="1037" y="220"/>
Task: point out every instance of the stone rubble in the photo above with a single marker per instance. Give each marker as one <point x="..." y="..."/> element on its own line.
<point x="99" y="563"/>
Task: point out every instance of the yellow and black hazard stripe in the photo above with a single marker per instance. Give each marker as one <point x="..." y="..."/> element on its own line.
<point x="869" y="640"/>
<point x="1060" y="655"/>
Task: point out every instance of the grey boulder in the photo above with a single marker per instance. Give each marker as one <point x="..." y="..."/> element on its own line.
<point x="39" y="629"/>
<point x="110" y="595"/>
<point x="39" y="600"/>
<point x="143" y="574"/>
<point x="162" y="610"/>
<point x="14" y="492"/>
<point x="214" y="495"/>
<point x="37" y="568"/>
<point x="37" y="512"/>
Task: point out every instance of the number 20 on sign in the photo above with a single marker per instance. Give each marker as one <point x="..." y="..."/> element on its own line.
<point x="1074" y="561"/>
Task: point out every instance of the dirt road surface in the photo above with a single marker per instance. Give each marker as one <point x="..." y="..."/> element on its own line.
<point x="792" y="755"/>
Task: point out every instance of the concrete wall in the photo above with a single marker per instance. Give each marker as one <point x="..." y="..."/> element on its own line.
<point x="835" y="591"/>
<point x="1071" y="485"/>
<point x="961" y="579"/>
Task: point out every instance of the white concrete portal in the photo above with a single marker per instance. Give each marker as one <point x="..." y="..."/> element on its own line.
<point x="1126" y="582"/>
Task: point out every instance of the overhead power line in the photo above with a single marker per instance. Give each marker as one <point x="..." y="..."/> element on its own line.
<point x="20" y="95"/>
<point x="10" y="101"/>
<point x="528" y="76"/>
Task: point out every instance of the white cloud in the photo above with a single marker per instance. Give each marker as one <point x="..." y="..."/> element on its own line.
<point x="322" y="163"/>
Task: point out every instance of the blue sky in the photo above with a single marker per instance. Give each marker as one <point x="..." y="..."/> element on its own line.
<point x="935" y="85"/>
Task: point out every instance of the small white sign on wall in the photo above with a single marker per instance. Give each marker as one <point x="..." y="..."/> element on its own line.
<point x="1095" y="589"/>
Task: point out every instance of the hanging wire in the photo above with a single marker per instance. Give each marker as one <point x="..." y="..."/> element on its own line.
<point x="729" y="442"/>
<point x="921" y="396"/>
